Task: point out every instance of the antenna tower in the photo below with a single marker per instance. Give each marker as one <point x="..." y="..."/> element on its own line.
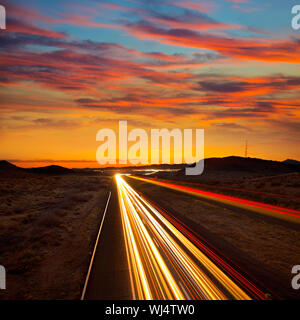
<point x="246" y="149"/>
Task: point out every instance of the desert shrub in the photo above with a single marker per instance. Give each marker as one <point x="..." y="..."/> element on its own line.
<point x="275" y="184"/>
<point x="260" y="185"/>
<point x="29" y="218"/>
<point x="18" y="209"/>
<point x="49" y="221"/>
<point x="214" y="182"/>
<point x="294" y="185"/>
<point x="25" y="261"/>
<point x="94" y="187"/>
<point x="61" y="213"/>
<point x="80" y="198"/>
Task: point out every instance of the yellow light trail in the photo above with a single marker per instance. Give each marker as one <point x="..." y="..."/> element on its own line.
<point x="163" y="262"/>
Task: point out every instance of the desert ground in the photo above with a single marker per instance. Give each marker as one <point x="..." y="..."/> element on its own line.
<point x="49" y="219"/>
<point x="48" y="229"/>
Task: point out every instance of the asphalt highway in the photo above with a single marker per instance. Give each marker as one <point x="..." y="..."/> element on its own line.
<point x="143" y="253"/>
<point x="166" y="262"/>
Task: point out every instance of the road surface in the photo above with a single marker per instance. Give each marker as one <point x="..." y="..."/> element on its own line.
<point x="143" y="253"/>
<point x="109" y="275"/>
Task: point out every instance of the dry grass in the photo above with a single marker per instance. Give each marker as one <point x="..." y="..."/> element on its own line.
<point x="47" y="229"/>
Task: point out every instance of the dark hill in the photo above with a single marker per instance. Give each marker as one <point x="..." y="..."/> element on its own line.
<point x="7" y="166"/>
<point x="235" y="168"/>
<point x="51" y="170"/>
<point x="9" y="169"/>
<point x="254" y="165"/>
<point x="292" y="162"/>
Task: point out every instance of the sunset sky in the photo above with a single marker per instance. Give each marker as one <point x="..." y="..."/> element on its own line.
<point x="70" y="68"/>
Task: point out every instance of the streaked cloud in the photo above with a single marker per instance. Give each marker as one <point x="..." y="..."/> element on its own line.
<point x="77" y="65"/>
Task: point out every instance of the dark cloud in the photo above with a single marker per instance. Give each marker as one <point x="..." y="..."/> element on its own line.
<point x="55" y="60"/>
<point x="55" y="123"/>
<point x="230" y="126"/>
<point x="286" y="124"/>
<point x="234" y="47"/>
<point x="224" y="87"/>
<point x="261" y="110"/>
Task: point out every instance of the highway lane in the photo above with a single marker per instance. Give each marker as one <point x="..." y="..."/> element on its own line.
<point x="166" y="262"/>
<point x="108" y="278"/>
<point x="258" y="207"/>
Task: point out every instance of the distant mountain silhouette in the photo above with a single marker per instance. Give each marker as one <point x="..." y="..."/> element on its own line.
<point x="52" y="170"/>
<point x="8" y="169"/>
<point x="230" y="167"/>
<point x="292" y="162"/>
<point x="5" y="165"/>
<point x="233" y="164"/>
<point x="248" y="165"/>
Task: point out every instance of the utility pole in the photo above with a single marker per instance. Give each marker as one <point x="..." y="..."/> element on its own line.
<point x="246" y="149"/>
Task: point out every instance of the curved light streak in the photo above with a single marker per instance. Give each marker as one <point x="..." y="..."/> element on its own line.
<point x="165" y="264"/>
